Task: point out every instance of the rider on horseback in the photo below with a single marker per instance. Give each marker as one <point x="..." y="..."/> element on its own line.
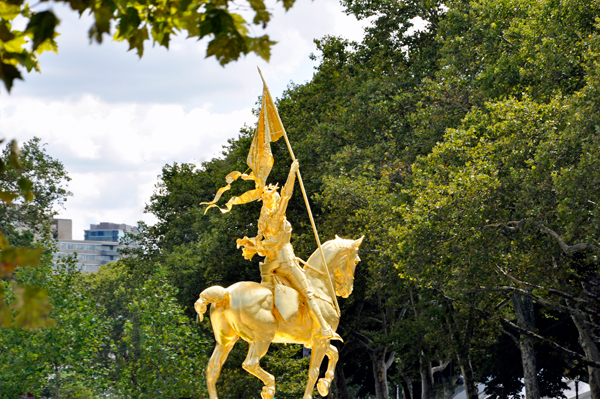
<point x="273" y="242"/>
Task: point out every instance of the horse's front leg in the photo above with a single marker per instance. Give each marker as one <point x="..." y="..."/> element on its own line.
<point x="324" y="383"/>
<point x="319" y="349"/>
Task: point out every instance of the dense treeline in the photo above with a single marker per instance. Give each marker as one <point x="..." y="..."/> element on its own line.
<point x="463" y="140"/>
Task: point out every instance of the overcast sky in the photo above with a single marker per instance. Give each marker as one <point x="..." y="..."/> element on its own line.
<point x="115" y="120"/>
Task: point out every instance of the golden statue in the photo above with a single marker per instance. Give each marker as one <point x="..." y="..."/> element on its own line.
<point x="292" y="304"/>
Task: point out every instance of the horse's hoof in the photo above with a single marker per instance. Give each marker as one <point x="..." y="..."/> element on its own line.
<point x="323" y="386"/>
<point x="268" y="393"/>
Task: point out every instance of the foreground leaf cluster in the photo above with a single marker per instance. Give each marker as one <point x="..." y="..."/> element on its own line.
<point x="135" y="22"/>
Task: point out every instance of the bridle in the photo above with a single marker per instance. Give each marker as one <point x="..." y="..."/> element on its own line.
<point x="349" y="261"/>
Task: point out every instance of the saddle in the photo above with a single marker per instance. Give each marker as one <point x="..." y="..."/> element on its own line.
<point x="287" y="299"/>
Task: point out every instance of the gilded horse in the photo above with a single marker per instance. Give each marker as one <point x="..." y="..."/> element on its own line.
<point x="247" y="310"/>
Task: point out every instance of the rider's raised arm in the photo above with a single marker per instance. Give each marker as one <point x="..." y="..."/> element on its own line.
<point x="287" y="191"/>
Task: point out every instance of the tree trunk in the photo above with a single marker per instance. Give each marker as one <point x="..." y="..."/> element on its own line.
<point x="591" y="351"/>
<point x="526" y="319"/>
<point x="426" y="378"/>
<point x="380" y="367"/>
<point x="468" y="377"/>
<point x="407" y="386"/>
<point x="427" y="372"/>
<point x="340" y="382"/>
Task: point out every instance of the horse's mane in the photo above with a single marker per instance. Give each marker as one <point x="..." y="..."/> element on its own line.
<point x="331" y="249"/>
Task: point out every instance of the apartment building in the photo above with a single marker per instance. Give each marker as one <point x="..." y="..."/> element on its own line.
<point x="98" y="248"/>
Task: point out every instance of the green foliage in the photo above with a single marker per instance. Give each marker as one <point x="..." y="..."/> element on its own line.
<point x="508" y="161"/>
<point x="63" y="354"/>
<point x="502" y="166"/>
<point x="30" y="186"/>
<point x="13" y="54"/>
<point x="136" y="22"/>
<point x="165" y="355"/>
<point x="285" y="362"/>
<point x="40" y="182"/>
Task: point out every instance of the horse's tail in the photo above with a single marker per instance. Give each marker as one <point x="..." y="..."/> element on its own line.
<point x="214" y="294"/>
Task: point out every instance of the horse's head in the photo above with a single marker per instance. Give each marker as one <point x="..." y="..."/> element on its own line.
<point x="342" y="264"/>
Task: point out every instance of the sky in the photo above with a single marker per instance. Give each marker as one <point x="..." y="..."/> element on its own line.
<point x="115" y="120"/>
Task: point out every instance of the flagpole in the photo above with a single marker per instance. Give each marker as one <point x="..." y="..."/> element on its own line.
<point x="310" y="216"/>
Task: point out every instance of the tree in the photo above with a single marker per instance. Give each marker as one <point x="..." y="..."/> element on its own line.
<point x="31" y="185"/>
<point x="26" y="220"/>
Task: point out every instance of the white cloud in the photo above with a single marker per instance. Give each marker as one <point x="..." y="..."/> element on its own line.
<point x="114" y="152"/>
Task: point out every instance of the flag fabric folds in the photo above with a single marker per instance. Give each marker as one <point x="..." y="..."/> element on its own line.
<point x="260" y="158"/>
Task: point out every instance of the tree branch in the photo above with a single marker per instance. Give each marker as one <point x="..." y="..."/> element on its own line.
<point x="441" y="367"/>
<point x="531" y="334"/>
<point x="550" y="290"/>
<point x="502" y="304"/>
<point x="363" y="339"/>
<point x="390" y="361"/>
<point x="566" y="248"/>
<point x="545" y="302"/>
<point x="553" y="344"/>
<point x="511" y="226"/>
<point x="517" y="225"/>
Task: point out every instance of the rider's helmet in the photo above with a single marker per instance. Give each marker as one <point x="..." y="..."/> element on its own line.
<point x="270" y="196"/>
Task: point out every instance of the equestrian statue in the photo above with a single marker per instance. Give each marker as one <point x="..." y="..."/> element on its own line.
<point x="295" y="301"/>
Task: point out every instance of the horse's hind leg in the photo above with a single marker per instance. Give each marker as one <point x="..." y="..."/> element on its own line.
<point x="324" y="383"/>
<point x="252" y="365"/>
<point x="319" y="349"/>
<point x="213" y="370"/>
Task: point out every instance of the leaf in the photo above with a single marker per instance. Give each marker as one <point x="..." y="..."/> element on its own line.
<point x="42" y="26"/>
<point x="8" y="73"/>
<point x="261" y="46"/>
<point x="7" y="197"/>
<point x="216" y="21"/>
<point x="48" y="45"/>
<point x="33" y="306"/>
<point x="5" y="33"/>
<point x="288" y="3"/>
<point x="15" y="153"/>
<point x="9" y="11"/>
<point x="11" y="258"/>
<point x="226" y="47"/>
<point x="102" y="16"/>
<point x="129" y="22"/>
<point x="25" y="186"/>
<point x="137" y="40"/>
<point x="183" y="5"/>
<point x="28" y="59"/>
